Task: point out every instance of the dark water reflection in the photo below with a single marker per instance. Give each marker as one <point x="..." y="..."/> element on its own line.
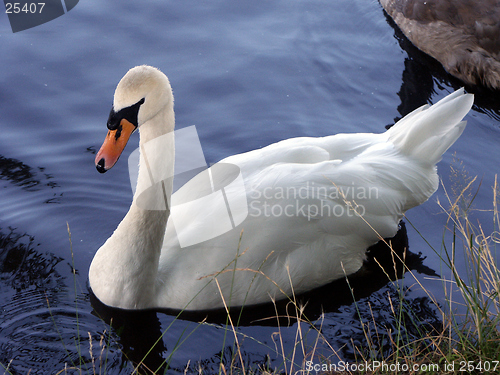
<point x="21" y="266"/>
<point x="247" y="75"/>
<point x="41" y="328"/>
<point x="28" y="178"/>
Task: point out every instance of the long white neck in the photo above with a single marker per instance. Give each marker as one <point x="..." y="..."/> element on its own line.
<point x="126" y="265"/>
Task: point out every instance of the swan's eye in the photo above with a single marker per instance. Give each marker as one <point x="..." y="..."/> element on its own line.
<point x="128" y="113"/>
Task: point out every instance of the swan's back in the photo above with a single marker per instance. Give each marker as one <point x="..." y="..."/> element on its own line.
<point x="314" y="206"/>
<point x="463" y="35"/>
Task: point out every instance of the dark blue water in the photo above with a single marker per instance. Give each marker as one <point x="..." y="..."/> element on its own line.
<point x="246" y="74"/>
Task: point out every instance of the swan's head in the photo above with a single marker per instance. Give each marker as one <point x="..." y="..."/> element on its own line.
<point x="140" y="96"/>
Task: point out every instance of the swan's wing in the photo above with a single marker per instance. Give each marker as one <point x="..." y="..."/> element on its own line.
<point x="274" y="176"/>
<point x="313" y="206"/>
<point x="307" y="150"/>
<point x="379" y="183"/>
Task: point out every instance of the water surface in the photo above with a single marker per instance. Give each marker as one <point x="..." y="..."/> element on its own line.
<point x="247" y="74"/>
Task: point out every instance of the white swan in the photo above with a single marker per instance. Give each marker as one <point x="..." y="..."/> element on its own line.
<point x="311" y="238"/>
<point x="463" y="35"/>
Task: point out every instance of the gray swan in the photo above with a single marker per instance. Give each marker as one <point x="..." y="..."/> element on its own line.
<point x="463" y="35"/>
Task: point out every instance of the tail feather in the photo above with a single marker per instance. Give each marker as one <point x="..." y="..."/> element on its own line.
<point x="428" y="132"/>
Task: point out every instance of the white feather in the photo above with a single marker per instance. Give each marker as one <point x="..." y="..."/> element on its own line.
<point x="299" y="230"/>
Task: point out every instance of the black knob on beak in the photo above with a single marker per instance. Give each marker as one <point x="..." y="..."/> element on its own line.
<point x="100" y="166"/>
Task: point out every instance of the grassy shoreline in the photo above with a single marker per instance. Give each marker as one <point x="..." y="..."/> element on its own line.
<point x="469" y="339"/>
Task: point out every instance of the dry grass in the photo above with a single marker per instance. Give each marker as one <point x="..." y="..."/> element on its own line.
<point x="468" y="340"/>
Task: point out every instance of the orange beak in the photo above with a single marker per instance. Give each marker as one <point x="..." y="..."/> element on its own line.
<point x="113" y="145"/>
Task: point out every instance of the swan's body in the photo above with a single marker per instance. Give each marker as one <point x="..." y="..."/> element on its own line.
<point x="463" y="35"/>
<point x="299" y="231"/>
